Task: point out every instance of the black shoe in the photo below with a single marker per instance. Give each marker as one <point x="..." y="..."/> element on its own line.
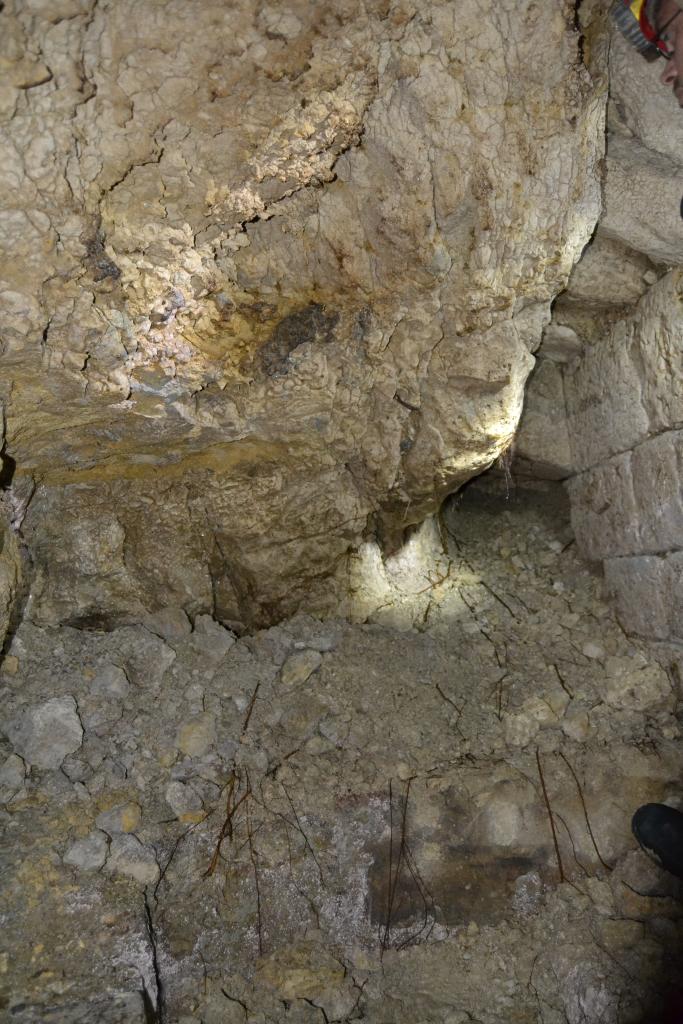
<point x="659" y="830"/>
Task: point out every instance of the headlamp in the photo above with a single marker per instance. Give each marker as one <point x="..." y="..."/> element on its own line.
<point x="636" y="21"/>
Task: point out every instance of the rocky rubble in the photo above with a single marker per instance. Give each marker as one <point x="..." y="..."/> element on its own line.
<point x="349" y="821"/>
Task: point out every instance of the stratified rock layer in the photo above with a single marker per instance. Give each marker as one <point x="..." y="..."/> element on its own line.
<point x="284" y="264"/>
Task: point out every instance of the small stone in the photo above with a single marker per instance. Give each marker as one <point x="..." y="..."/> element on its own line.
<point x="45" y="734"/>
<point x="10" y="665"/>
<point x="12" y="776"/>
<point x="301" y="971"/>
<point x="197" y="735"/>
<point x="558" y="701"/>
<point x="122" y="818"/>
<point x="300" y="666"/>
<point x="110" y="681"/>
<point x="75" y="769"/>
<point x="322" y="643"/>
<point x="128" y="856"/>
<point x="601" y="896"/>
<point x="183" y="801"/>
<point x="635" y="685"/>
<point x="576" y="724"/>
<point x="539" y="709"/>
<point x="211" y="638"/>
<point x="169" y="623"/>
<point x="593" y="651"/>
<point x="520" y="730"/>
<point x="88" y="854"/>
<point x="617" y="935"/>
<point x="317" y="745"/>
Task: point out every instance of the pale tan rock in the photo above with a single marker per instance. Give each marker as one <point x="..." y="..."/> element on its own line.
<point x="169" y="623"/>
<point x="132" y="859"/>
<point x="542" y="441"/>
<point x="300" y="666"/>
<point x="198" y="735"/>
<point x="576" y="723"/>
<point x="121" y="818"/>
<point x="634" y="684"/>
<point x="642" y="200"/>
<point x="605" y="516"/>
<point x="657" y="468"/>
<point x="282" y="281"/>
<point x="632" y="503"/>
<point x="305" y="971"/>
<point x="641" y="587"/>
<point x="43" y="734"/>
<point x="211" y="638"/>
<point x="618" y="935"/>
<point x="184" y="801"/>
<point x="628" y="385"/>
<point x="88" y="853"/>
<point x="560" y="343"/>
<point x="608" y="274"/>
<point x="675" y="565"/>
<point x="520" y="729"/>
<point x="12" y="776"/>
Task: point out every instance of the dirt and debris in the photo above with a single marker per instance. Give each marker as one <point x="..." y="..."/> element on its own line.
<point x="422" y="817"/>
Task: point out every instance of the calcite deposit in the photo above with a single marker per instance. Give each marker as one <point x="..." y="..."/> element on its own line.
<point x="274" y="271"/>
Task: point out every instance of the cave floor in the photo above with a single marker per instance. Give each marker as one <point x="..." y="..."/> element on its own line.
<point x="424" y="817"/>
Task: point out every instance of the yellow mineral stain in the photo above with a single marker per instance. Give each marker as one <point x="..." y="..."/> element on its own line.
<point x="130" y="817"/>
<point x="36" y="878"/>
<point x="220" y="458"/>
<point x="192" y="817"/>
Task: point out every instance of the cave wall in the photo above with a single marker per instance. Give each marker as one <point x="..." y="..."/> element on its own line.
<point x="274" y="276"/>
<point x="623" y="387"/>
<point x="625" y="409"/>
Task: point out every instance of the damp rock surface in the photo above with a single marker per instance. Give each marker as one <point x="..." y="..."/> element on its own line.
<point x="421" y="816"/>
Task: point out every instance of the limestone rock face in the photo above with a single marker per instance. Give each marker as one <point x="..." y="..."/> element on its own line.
<point x="629" y="385"/>
<point x="276" y="268"/>
<point x="542" y="443"/>
<point x="624" y="395"/>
